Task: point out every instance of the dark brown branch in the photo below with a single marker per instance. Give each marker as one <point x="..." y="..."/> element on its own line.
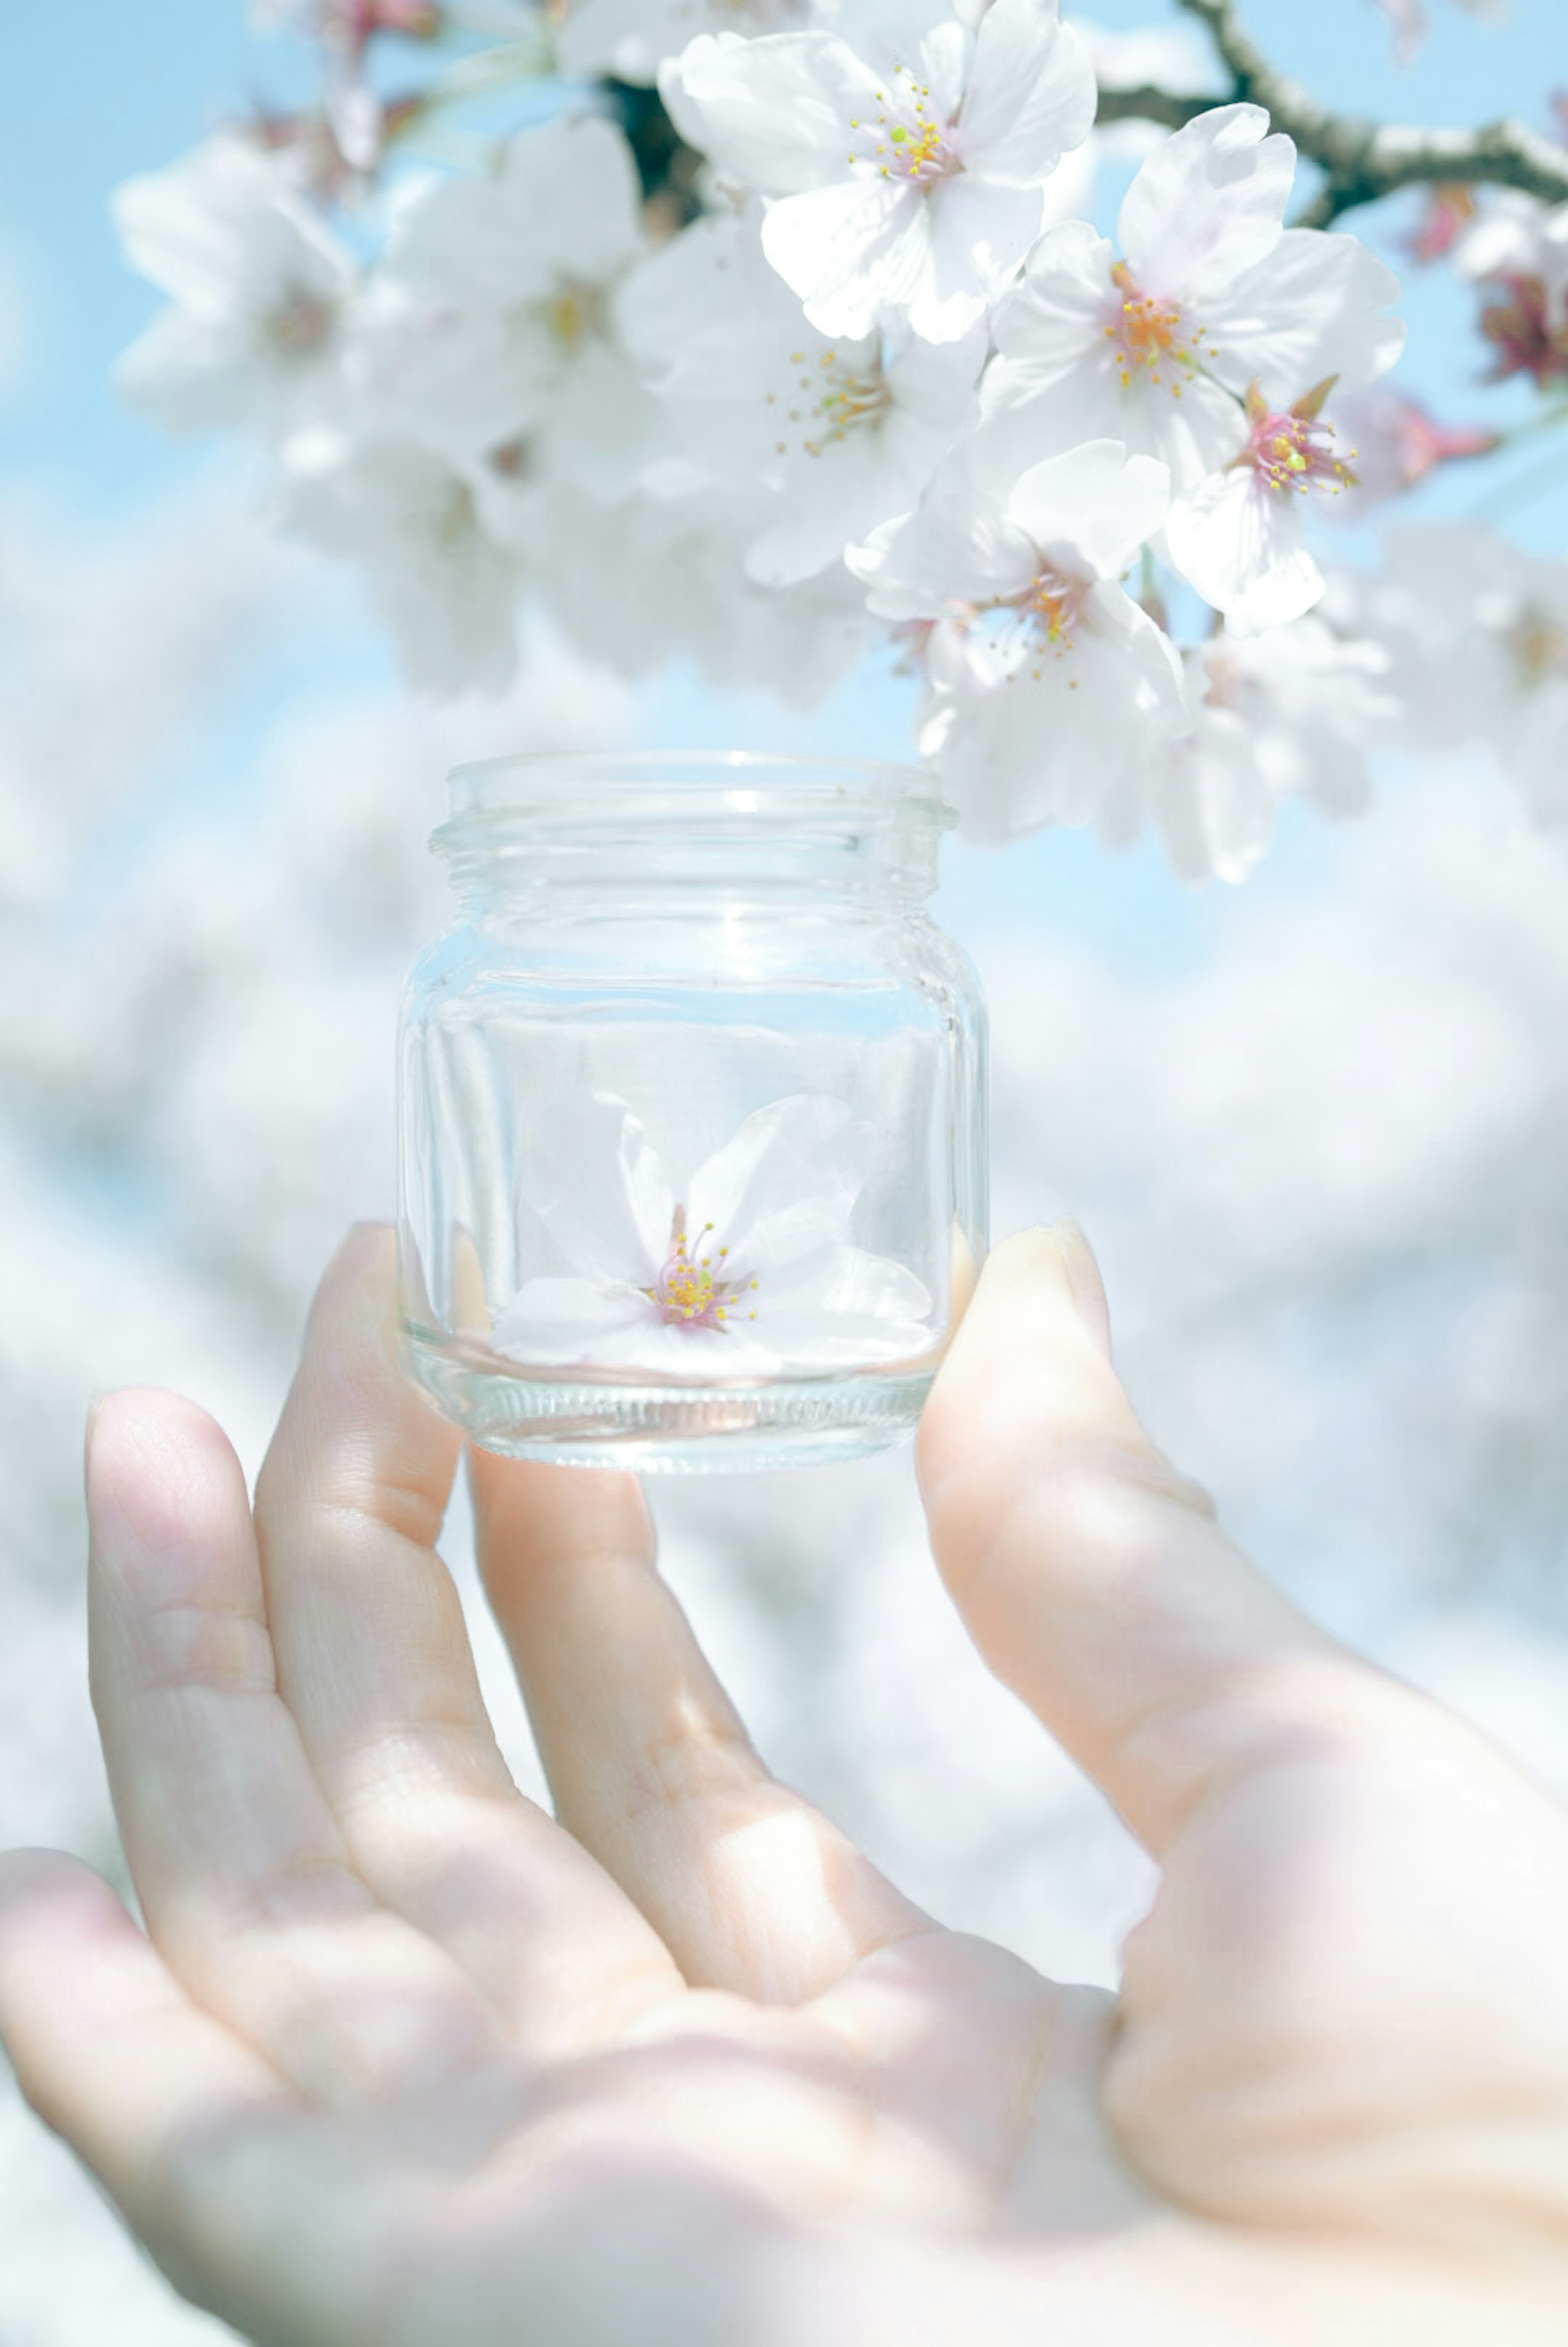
<point x="1360" y="161"/>
<point x="1147" y="103"/>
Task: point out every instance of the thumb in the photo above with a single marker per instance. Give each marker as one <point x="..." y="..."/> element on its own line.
<point x="1092" y="1576"/>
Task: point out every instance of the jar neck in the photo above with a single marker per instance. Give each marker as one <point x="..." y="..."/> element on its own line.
<point x="711" y="869"/>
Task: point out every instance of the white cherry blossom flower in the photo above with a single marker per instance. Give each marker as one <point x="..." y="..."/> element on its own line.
<point x="663" y="577"/>
<point x="1292" y="714"/>
<point x="260" y="293"/>
<point x="1051" y="686"/>
<point x="839" y="436"/>
<point x="1477" y="634"/>
<point x="906" y="155"/>
<point x="632" y="38"/>
<point x="496" y="317"/>
<point x="409" y="516"/>
<point x="745" y="1266"/>
<point x="1516" y="237"/>
<point x="1212" y="293"/>
<point x="1239" y="537"/>
<point x="1521" y="247"/>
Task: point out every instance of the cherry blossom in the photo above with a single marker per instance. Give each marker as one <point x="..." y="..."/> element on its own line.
<point x="260" y="293"/>
<point x="1397" y="443"/>
<point x="1239" y="537"/>
<point x="1521" y="247"/>
<point x="632" y="38"/>
<point x="746" y="1265"/>
<point x="496" y="317"/>
<point x="1477" y="634"/>
<point x="839" y="436"/>
<point x="905" y="156"/>
<point x="1212" y="292"/>
<point x="1050" y="686"/>
<point x="659" y="576"/>
<point x="410" y="517"/>
<point x="1512" y="237"/>
<point x="1288" y="714"/>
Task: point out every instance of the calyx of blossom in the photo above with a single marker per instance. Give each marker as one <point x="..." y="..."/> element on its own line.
<point x="1447" y="213"/>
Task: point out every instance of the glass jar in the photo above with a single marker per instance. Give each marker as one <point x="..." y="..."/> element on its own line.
<point x="692" y="1112"/>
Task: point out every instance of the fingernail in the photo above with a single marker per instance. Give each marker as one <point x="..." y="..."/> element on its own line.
<point x="1083" y="1282"/>
<point x="96" y="1401"/>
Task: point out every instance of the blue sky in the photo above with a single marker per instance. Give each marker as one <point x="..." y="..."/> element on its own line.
<point x="93" y="93"/>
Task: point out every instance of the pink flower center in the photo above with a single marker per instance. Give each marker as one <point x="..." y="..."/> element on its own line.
<point x="907" y="140"/>
<point x="691" y="1291"/>
<point x="1290" y="451"/>
<point x="1149" y="338"/>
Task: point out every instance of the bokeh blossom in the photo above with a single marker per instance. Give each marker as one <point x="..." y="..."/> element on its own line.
<point x="701" y="401"/>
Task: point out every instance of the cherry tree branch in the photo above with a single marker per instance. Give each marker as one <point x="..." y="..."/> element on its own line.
<point x="1360" y="161"/>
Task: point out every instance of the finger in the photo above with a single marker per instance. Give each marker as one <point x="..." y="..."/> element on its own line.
<point x="243" y="1877"/>
<point x="749" y="1886"/>
<point x="192" y="2135"/>
<point x="1091" y="1576"/>
<point x="375" y="1660"/>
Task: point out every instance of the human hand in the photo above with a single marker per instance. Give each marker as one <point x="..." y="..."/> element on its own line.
<point x="403" y="2061"/>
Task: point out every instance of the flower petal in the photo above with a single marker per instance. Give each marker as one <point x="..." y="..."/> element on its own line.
<point x="785" y="1183"/>
<point x="599" y="1188"/>
<point x="1208" y="203"/>
<point x="976" y="235"/>
<point x="851" y="249"/>
<point x="774" y="113"/>
<point x="1031" y="95"/>
<point x="1043" y="736"/>
<point x="556" y="1322"/>
<point x="1092" y="508"/>
<point x="1316" y="308"/>
<point x="1241" y="545"/>
<point x="958" y="547"/>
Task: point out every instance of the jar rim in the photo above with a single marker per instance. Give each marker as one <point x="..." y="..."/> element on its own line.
<point x="581" y="786"/>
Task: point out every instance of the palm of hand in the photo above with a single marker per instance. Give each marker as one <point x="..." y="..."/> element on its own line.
<point x="413" y="2063"/>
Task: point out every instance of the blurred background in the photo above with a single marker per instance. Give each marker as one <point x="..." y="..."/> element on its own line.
<point x="1316" y="1127"/>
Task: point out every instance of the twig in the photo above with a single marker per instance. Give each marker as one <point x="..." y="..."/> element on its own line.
<point x="1147" y="103"/>
<point x="1360" y="161"/>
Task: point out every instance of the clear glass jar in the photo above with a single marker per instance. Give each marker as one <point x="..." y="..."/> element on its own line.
<point x="692" y="1112"/>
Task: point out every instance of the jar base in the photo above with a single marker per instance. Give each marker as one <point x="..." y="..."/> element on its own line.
<point x="665" y="1430"/>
